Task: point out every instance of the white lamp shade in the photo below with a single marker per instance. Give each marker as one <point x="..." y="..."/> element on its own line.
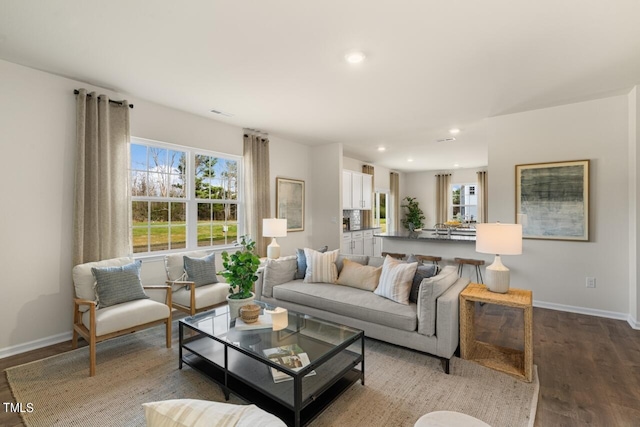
<point x="499" y="239"/>
<point x="274" y="227"/>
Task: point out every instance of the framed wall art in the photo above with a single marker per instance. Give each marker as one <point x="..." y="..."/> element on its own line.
<point x="290" y="202"/>
<point x="552" y="200"/>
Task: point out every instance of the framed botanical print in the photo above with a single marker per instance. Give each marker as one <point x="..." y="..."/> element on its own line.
<point x="290" y="202"/>
<point x="552" y="200"/>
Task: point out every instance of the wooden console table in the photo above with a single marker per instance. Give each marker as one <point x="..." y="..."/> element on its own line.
<point x="510" y="361"/>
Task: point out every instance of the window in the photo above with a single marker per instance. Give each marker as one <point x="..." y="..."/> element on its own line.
<point x="380" y="211"/>
<point x="182" y="198"/>
<point x="464" y="203"/>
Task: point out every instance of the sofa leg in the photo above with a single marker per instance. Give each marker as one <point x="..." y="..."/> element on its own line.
<point x="445" y="365"/>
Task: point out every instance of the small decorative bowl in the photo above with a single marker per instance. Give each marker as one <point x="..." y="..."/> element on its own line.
<point x="249" y="313"/>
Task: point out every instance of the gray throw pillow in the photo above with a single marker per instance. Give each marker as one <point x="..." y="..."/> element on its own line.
<point x="422" y="272"/>
<point x="118" y="284"/>
<point x="201" y="271"/>
<point x="302" y="261"/>
<point x="277" y="272"/>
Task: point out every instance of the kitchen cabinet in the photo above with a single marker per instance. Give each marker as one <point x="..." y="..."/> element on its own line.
<point x="357" y="190"/>
<point x="372" y="245"/>
<point x="352" y="243"/>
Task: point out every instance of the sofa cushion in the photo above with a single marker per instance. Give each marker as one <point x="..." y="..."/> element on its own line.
<point x="351" y="302"/>
<point x="118" y="284"/>
<point x="422" y="272"/>
<point x="277" y="272"/>
<point x="206" y="295"/>
<point x="396" y="279"/>
<point x="302" y="261"/>
<point x="430" y="290"/>
<point x="203" y="413"/>
<point x="126" y="315"/>
<point x="360" y="259"/>
<point x="359" y="276"/>
<point x="321" y="267"/>
<point x="201" y="271"/>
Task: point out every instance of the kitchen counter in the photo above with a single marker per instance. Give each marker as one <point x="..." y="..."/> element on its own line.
<point x="433" y="236"/>
<point x="361" y="229"/>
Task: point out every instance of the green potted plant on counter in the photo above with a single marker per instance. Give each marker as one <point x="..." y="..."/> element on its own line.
<point x="240" y="270"/>
<point x="414" y="217"/>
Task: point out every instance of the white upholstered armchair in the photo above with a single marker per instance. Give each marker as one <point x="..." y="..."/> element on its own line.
<point x="196" y="286"/>
<point x="110" y="301"/>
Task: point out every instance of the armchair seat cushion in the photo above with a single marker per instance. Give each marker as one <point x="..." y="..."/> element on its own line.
<point x="206" y="295"/>
<point x="126" y="315"/>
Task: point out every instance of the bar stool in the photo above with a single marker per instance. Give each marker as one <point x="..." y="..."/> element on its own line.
<point x="393" y="255"/>
<point x="467" y="261"/>
<point x="433" y="259"/>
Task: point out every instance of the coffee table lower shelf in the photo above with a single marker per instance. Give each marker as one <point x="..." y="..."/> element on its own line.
<point x="249" y="393"/>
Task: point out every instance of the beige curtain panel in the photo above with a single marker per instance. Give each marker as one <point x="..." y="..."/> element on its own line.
<point x="257" y="189"/>
<point x="483" y="197"/>
<point x="394" y="197"/>
<point x="443" y="190"/>
<point x="102" y="203"/>
<point x="366" y="220"/>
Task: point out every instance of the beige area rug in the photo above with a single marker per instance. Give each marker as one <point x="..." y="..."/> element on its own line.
<point x="400" y="386"/>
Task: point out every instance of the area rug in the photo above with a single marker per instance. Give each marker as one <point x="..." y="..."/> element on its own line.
<point x="400" y="386"/>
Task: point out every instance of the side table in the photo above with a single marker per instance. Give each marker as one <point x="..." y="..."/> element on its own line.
<point x="510" y="361"/>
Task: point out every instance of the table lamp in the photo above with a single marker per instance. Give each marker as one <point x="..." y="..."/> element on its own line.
<point x="498" y="239"/>
<point x="274" y="227"/>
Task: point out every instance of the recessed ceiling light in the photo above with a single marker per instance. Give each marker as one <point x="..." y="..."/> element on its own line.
<point x="382" y="149"/>
<point x="355" y="57"/>
<point x="454" y="131"/>
<point x="455" y="165"/>
<point x="409" y="159"/>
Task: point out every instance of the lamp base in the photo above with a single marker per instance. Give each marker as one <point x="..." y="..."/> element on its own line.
<point x="497" y="277"/>
<point x="273" y="250"/>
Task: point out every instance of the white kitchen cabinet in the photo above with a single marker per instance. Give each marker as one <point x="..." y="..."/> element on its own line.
<point x="372" y="245"/>
<point x="357" y="190"/>
<point x="352" y="243"/>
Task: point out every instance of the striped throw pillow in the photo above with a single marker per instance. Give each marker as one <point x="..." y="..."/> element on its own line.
<point x="396" y="279"/>
<point x="321" y="267"/>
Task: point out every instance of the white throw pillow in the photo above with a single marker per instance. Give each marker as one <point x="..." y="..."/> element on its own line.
<point x="202" y="413"/>
<point x="395" y="280"/>
<point x="321" y="267"/>
<point x="359" y="276"/>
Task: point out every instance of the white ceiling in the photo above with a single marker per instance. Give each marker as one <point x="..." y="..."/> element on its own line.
<point x="278" y="65"/>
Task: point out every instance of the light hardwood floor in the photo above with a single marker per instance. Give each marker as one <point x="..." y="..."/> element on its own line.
<point x="589" y="367"/>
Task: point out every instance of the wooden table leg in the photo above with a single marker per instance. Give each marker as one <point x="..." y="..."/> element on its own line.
<point x="467" y="328"/>
<point x="528" y="343"/>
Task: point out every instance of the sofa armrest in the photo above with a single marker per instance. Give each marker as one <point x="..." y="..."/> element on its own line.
<point x="259" y="283"/>
<point x="448" y="318"/>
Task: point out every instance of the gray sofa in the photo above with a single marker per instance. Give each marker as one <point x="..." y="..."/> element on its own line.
<point x="431" y="325"/>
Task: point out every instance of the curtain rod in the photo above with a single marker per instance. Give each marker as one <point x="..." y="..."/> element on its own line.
<point x="76" y="91"/>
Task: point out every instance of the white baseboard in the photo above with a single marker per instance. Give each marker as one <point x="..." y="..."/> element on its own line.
<point x="34" y="345"/>
<point x="633" y="322"/>
<point x="582" y="310"/>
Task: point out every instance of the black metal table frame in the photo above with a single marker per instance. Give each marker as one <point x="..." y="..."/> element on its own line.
<point x="350" y="373"/>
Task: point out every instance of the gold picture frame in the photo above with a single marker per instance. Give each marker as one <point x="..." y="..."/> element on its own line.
<point x="552" y="200"/>
<point x="290" y="202"/>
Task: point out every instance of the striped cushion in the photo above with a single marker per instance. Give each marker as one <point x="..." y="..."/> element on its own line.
<point x="201" y="271"/>
<point x="118" y="284"/>
<point x="395" y="280"/>
<point x="321" y="267"/>
<point x="202" y="413"/>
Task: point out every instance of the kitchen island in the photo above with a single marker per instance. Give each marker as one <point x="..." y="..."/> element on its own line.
<point x="448" y="244"/>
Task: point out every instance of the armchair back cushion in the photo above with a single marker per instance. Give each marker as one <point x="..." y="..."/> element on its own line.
<point x="118" y="284"/>
<point x="174" y="264"/>
<point x="85" y="283"/>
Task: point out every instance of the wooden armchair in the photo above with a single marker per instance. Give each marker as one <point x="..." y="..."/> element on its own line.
<point x="188" y="296"/>
<point x="95" y="323"/>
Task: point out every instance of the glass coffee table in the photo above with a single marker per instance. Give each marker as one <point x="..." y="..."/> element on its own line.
<point x="294" y="373"/>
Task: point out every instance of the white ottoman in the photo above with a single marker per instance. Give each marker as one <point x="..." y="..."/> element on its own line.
<point x="449" y="419"/>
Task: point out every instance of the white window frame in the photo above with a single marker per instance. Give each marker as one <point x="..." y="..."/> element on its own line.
<point x="190" y="199"/>
<point x="466" y="205"/>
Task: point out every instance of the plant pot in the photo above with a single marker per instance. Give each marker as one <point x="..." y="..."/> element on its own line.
<point x="235" y="304"/>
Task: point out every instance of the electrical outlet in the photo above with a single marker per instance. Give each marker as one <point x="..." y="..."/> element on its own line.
<point x="591" y="282"/>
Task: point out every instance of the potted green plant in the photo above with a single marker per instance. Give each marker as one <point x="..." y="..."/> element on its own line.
<point x="239" y="271"/>
<point x="414" y="217"/>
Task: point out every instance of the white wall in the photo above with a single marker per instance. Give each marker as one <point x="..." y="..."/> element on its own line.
<point x="37" y="128"/>
<point x="556" y="270"/>
<point x="326" y="184"/>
